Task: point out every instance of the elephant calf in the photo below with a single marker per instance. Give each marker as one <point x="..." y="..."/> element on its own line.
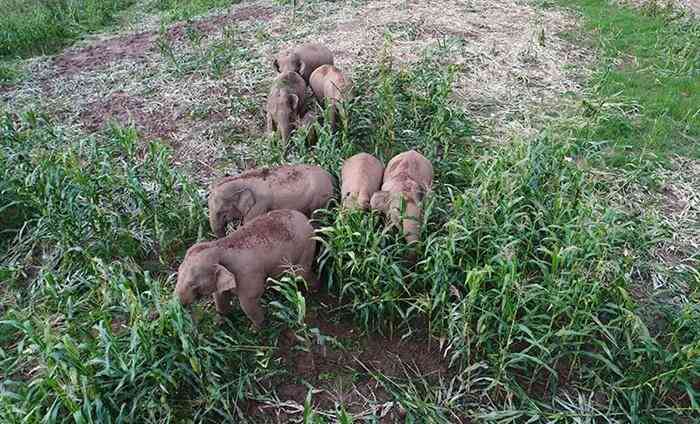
<point x="304" y="188"/>
<point x="285" y="104"/>
<point x="241" y="263"/>
<point x="407" y="178"/>
<point x="303" y="59"/>
<point x="330" y="88"/>
<point x="361" y="177"/>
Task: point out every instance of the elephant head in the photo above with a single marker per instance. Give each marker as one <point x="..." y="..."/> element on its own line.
<point x="228" y="202"/>
<point x="289" y="61"/>
<point x="392" y="205"/>
<point x="285" y="112"/>
<point x="200" y="276"/>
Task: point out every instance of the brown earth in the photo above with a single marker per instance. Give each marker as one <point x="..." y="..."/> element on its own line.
<point x="346" y="375"/>
<point x="137" y="47"/>
<point x="123" y="108"/>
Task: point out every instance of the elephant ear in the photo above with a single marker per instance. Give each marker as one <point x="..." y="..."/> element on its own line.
<point x="293" y="101"/>
<point x="276" y="65"/>
<point x="225" y="280"/>
<point x="380" y="201"/>
<point x="244" y="200"/>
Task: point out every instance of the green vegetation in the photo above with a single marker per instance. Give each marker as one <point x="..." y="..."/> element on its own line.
<point x="30" y="27"/>
<point x="178" y="10"/>
<point x="646" y="104"/>
<point x="9" y="74"/>
<point x="34" y="27"/>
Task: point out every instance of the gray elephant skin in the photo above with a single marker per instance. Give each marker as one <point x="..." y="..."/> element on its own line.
<point x="407" y="178"/>
<point x="303" y="59"/>
<point x="285" y="104"/>
<point x="361" y="177"/>
<point x="331" y="88"/>
<point x="304" y="188"/>
<point x="240" y="264"/>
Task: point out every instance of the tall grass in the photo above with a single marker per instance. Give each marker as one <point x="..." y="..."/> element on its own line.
<point x="29" y="27"/>
<point x="524" y="264"/>
<point x="89" y="332"/>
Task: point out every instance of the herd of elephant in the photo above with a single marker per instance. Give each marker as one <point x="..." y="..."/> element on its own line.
<point x="274" y="205"/>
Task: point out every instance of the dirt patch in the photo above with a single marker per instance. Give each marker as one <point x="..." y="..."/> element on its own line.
<point x="137" y="47"/>
<point x="120" y="107"/>
<point x="216" y="23"/>
<point x="346" y="371"/>
<point x="134" y="47"/>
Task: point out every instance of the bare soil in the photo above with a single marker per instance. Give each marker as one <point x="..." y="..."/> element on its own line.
<point x="122" y="108"/>
<point x="345" y="372"/>
<point x="139" y="46"/>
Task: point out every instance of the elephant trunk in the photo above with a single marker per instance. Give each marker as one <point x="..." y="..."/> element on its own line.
<point x="285" y="129"/>
<point x="363" y="200"/>
<point x="411" y="222"/>
<point x="218" y="226"/>
<point x="410" y="229"/>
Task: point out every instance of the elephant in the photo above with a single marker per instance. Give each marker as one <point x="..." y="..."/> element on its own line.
<point x="361" y="177"/>
<point x="331" y="88"/>
<point x="303" y="59"/>
<point x="304" y="188"/>
<point x="407" y="178"/>
<point x="285" y="104"/>
<point x="240" y="264"/>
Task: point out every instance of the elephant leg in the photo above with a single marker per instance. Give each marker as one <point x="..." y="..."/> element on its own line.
<point x="307" y="273"/>
<point x="252" y="310"/>
<point x="270" y="125"/>
<point x="223" y="302"/>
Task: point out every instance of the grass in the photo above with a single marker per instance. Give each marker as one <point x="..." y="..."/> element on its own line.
<point x="525" y="277"/>
<point x="38" y="27"/>
<point x="647" y="91"/>
<point x="42" y="27"/>
<point x="179" y="10"/>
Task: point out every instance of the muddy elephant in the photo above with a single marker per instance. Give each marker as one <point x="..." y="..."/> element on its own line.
<point x="243" y="197"/>
<point x="407" y="178"/>
<point x="361" y="177"/>
<point x="240" y="264"/>
<point x="285" y="104"/>
<point x="303" y="59"/>
<point x="331" y="88"/>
